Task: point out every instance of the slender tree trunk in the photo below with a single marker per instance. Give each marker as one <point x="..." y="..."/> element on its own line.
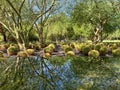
<point x="21" y="46"/>
<point x="41" y="39"/>
<point x="3" y="33"/>
<point x="4" y="37"/>
<point x="97" y="35"/>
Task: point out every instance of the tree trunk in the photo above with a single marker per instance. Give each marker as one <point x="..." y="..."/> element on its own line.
<point x="41" y="40"/>
<point x="4" y="37"/>
<point x="21" y="46"/>
<point x="3" y="33"/>
<point x="97" y="35"/>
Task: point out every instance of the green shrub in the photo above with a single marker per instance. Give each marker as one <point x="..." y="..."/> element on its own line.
<point x="33" y="36"/>
<point x="12" y="50"/>
<point x="68" y="49"/>
<point x="31" y="45"/>
<point x="70" y="53"/>
<point x="93" y="53"/>
<point x="116" y="52"/>
<point x="85" y="49"/>
<point x="79" y="46"/>
<point x="98" y="46"/>
<point x="113" y="46"/>
<point x="51" y="46"/>
<point x="65" y="46"/>
<point x="48" y="50"/>
<point x="103" y="50"/>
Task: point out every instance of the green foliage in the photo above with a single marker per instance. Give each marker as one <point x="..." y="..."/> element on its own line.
<point x="12" y="50"/>
<point x="70" y="53"/>
<point x="70" y="32"/>
<point x="103" y="50"/>
<point x="65" y="46"/>
<point x="51" y="46"/>
<point x="98" y="46"/>
<point x="68" y="49"/>
<point x="101" y="14"/>
<point x="113" y="46"/>
<point x="93" y="53"/>
<point x="33" y="36"/>
<point x="85" y="49"/>
<point x="116" y="52"/>
<point x="48" y="50"/>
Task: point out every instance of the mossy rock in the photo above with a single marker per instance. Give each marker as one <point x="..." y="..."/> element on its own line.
<point x="116" y="52"/>
<point x="30" y="51"/>
<point x="12" y="50"/>
<point x="70" y="53"/>
<point x="93" y="53"/>
<point x="22" y="54"/>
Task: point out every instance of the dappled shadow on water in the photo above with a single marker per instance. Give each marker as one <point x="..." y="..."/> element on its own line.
<point x="60" y="73"/>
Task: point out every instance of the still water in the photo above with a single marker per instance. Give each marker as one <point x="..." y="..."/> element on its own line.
<point x="60" y="73"/>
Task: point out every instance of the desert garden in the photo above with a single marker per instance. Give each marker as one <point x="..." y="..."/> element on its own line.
<point x="60" y="45"/>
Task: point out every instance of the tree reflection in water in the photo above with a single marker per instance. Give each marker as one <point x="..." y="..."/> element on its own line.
<point x="79" y="73"/>
<point x="27" y="74"/>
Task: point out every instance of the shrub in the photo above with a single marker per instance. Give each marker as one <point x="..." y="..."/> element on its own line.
<point x="64" y="46"/>
<point x="31" y="45"/>
<point x="46" y="55"/>
<point x="98" y="46"/>
<point x="48" y="50"/>
<point x="51" y="46"/>
<point x="78" y="46"/>
<point x="30" y="51"/>
<point x="116" y="52"/>
<point x="73" y="44"/>
<point x="85" y="49"/>
<point x="93" y="53"/>
<point x="70" y="53"/>
<point x="103" y="50"/>
<point x="22" y="54"/>
<point x="113" y="46"/>
<point x="12" y="50"/>
<point x="68" y="49"/>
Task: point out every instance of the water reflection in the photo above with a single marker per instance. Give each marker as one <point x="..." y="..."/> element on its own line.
<point x="59" y="73"/>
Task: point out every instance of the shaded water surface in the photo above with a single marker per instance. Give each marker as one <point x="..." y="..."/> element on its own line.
<point x="60" y="73"/>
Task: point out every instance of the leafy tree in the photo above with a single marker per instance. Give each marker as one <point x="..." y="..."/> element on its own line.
<point x="20" y="17"/>
<point x="103" y="16"/>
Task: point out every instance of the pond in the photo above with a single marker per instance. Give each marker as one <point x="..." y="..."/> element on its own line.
<point x="60" y="73"/>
